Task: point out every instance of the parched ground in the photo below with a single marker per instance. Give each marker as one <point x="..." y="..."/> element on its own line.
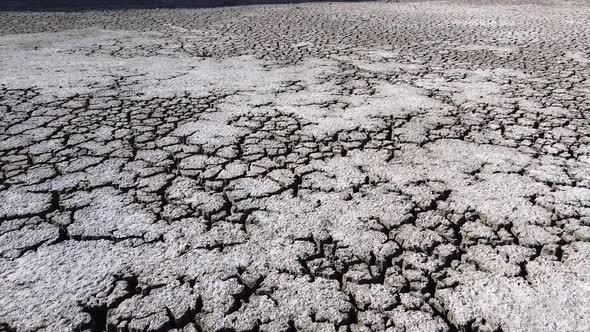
<point x="414" y="166"/>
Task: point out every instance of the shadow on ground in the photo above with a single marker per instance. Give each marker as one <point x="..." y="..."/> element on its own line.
<point x="83" y="5"/>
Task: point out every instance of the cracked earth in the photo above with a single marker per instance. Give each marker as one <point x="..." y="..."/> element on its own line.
<point x="413" y="166"/>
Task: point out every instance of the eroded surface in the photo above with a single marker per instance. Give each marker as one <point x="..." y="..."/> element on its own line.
<point x="328" y="167"/>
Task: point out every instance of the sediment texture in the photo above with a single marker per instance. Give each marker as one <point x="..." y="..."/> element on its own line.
<point x="317" y="167"/>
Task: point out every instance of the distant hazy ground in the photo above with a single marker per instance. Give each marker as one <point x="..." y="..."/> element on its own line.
<point x="110" y="4"/>
<point x="77" y="4"/>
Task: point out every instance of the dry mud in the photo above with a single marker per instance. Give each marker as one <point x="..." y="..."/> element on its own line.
<point x="413" y="166"/>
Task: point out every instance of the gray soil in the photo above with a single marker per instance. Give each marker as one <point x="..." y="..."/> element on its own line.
<point x="406" y="166"/>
